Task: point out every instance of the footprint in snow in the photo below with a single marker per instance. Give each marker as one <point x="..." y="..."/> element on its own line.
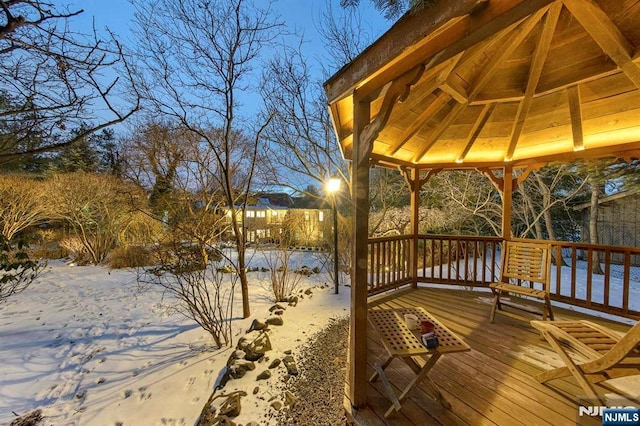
<point x="190" y="382"/>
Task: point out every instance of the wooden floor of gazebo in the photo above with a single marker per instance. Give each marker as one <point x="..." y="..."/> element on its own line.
<point x="491" y="384"/>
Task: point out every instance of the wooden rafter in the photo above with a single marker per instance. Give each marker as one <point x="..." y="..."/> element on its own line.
<point x="537" y="63"/>
<point x="608" y="36"/>
<point x="431" y="110"/>
<point x="440" y="129"/>
<point x="575" y="109"/>
<point x="479" y="124"/>
<point x="521" y="33"/>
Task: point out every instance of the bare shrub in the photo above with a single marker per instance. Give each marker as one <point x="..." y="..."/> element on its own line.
<point x="140" y="228"/>
<point x="20" y="205"/>
<point x="17" y="271"/>
<point x="199" y="290"/>
<point x="284" y="279"/>
<point x="98" y="209"/>
<point x="130" y="257"/>
<point x="75" y="249"/>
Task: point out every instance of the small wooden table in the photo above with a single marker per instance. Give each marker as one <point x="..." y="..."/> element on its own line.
<point x="400" y="342"/>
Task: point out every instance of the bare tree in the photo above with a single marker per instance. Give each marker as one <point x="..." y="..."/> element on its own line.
<point x="155" y="152"/>
<point x="53" y="78"/>
<point x="196" y="61"/>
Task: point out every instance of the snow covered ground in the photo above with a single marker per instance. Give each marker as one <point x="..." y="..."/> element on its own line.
<point x="88" y="347"/>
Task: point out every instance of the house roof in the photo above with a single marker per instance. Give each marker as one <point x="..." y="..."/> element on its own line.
<point x="489" y="83"/>
<point x="608" y="199"/>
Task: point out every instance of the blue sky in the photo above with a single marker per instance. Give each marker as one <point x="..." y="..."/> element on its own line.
<point x="299" y="15"/>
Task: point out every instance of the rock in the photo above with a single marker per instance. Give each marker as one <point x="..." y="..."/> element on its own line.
<point x="256" y="390"/>
<point x="255" y="344"/>
<point x="290" y="364"/>
<point x="238" y="354"/>
<point x="266" y="374"/>
<point x="275" y="320"/>
<point x="253" y="424"/>
<point x="222" y="421"/>
<point x="276" y="362"/>
<point x="288" y="352"/>
<point x="30" y="419"/>
<point x="237" y="368"/>
<point x="308" y="292"/>
<point x="277" y="307"/>
<point x="257" y="325"/>
<point x="277" y="405"/>
<point x="231" y="406"/>
<point x="278" y="312"/>
<point x="289" y="399"/>
<point x="293" y="300"/>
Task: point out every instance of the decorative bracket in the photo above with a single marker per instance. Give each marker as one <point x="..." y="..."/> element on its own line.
<point x="410" y="181"/>
<point x="395" y="91"/>
<point x="498" y="182"/>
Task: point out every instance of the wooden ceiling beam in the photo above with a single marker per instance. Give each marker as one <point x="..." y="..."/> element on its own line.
<point x="521" y="33"/>
<point x="440" y="129"/>
<point x="608" y="36"/>
<point x="384" y="60"/>
<point x="575" y="110"/>
<point x="535" y="71"/>
<point x="475" y="131"/>
<point x="431" y="110"/>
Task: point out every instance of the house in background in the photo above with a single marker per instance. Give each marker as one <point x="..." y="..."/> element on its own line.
<point x="618" y="222"/>
<point x="301" y="222"/>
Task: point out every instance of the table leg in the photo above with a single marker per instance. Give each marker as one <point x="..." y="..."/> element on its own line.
<point x="382" y="366"/>
<point x="422" y="375"/>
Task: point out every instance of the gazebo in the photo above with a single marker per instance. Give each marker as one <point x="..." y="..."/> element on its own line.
<point x="490" y="85"/>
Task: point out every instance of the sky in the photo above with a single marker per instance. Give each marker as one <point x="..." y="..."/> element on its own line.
<point x="301" y="16"/>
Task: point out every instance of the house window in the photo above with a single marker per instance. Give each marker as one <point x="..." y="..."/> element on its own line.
<point x="251" y="213"/>
<point x="261" y="213"/>
<point x="320" y="216"/>
<point x="274" y="213"/>
<point x="306" y="216"/>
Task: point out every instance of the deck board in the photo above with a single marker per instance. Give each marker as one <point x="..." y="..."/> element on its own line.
<point x="492" y="384"/>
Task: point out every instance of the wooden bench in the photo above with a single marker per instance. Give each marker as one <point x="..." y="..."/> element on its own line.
<point x="400" y="342"/>
<point x="526" y="271"/>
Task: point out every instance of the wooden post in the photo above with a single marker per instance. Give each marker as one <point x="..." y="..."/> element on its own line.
<point x="360" y="202"/>
<point x="415" y="185"/>
<point x="507" y="196"/>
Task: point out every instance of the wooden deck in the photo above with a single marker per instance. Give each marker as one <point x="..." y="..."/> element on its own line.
<point x="491" y="384"/>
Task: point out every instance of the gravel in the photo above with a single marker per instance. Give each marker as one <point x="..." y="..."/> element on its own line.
<point x="320" y="385"/>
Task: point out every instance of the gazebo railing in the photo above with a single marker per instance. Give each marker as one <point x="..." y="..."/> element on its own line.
<point x="471" y="261"/>
<point x="388" y="263"/>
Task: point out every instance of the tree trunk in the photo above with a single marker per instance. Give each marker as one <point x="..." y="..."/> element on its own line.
<point x="239" y="235"/>
<point x="546" y="214"/>
<point x="593" y="226"/>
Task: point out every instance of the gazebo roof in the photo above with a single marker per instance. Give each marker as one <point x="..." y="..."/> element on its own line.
<point x="498" y="82"/>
